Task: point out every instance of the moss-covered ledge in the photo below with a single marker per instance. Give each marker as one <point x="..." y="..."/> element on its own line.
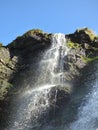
<point x="31" y="38"/>
<point x="84" y="35"/>
<point x="84" y="40"/>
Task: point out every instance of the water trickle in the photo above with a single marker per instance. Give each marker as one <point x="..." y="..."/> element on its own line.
<point x="33" y="103"/>
<point x="88" y="113"/>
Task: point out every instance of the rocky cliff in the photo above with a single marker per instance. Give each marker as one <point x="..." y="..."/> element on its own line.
<point x="19" y="61"/>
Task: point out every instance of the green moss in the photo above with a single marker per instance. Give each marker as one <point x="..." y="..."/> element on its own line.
<point x="4" y="89"/>
<point x="46" y="35"/>
<point x="36" y="31"/>
<point x="7" y="60"/>
<point x="95" y="49"/>
<point x="89" y="32"/>
<point x="33" y="31"/>
<point x="73" y="45"/>
<point x="88" y="59"/>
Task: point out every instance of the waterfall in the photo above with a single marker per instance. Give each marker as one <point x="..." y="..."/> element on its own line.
<point x="88" y="113"/>
<point x="52" y="71"/>
<point x="34" y="102"/>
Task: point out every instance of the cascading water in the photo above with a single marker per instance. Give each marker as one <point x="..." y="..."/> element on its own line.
<point x="34" y="102"/>
<point x="88" y="113"/>
<point x="53" y="61"/>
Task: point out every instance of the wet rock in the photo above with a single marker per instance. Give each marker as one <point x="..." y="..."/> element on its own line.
<point x="59" y="94"/>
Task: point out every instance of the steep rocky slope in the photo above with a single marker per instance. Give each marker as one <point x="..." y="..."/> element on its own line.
<point x="19" y="61"/>
<point x="18" y="56"/>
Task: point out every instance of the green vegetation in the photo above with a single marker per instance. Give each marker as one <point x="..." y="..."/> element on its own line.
<point x="95" y="49"/>
<point x="73" y="45"/>
<point x="33" y="31"/>
<point x="89" y="32"/>
<point x="4" y="89"/>
<point x="88" y="59"/>
<point x="36" y="31"/>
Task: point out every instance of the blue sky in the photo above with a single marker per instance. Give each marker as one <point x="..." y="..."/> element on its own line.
<point x="53" y="16"/>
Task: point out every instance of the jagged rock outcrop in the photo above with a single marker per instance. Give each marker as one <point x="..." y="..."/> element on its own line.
<point x="83" y="46"/>
<point x="7" y="68"/>
<point x="16" y="62"/>
<point x="20" y="57"/>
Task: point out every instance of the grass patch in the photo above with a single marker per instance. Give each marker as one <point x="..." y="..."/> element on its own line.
<point x="33" y="31"/>
<point x="88" y="59"/>
<point x="73" y="45"/>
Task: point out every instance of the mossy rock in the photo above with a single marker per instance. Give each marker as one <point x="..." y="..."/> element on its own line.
<point x="31" y="39"/>
<point x="82" y="36"/>
<point x="33" y="31"/>
<point x="72" y="45"/>
<point x="59" y="95"/>
<point x="89" y="59"/>
<point x="4" y="88"/>
<point x="87" y="31"/>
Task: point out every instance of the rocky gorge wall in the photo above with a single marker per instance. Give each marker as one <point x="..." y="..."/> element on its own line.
<point x="19" y="62"/>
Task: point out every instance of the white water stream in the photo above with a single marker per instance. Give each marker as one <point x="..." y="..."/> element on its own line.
<point x="52" y="64"/>
<point x="34" y="102"/>
<point x="88" y="113"/>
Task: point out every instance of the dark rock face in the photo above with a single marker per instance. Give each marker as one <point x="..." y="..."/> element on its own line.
<point x="82" y="36"/>
<point x="83" y="45"/>
<point x="59" y="94"/>
<point x="18" y="63"/>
